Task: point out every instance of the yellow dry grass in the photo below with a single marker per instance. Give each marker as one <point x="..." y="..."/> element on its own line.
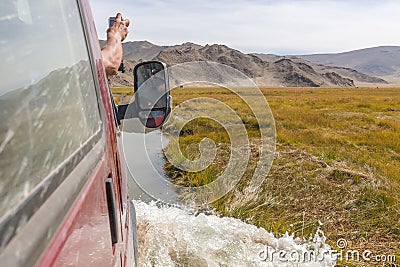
<point x="337" y="165"/>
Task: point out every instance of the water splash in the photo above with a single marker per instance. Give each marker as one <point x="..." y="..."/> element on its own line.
<point x="170" y="236"/>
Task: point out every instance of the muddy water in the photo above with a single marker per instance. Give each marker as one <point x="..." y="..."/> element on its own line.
<point x="147" y="179"/>
<point x="172" y="236"/>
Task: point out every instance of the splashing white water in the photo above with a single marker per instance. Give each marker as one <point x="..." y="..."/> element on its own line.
<point x="169" y="236"/>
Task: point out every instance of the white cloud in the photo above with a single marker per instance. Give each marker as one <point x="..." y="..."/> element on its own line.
<point x="283" y="27"/>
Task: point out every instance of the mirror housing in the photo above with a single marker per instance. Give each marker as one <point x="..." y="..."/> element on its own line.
<point x="152" y="98"/>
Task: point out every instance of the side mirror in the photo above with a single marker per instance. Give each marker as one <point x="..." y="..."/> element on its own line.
<point x="152" y="98"/>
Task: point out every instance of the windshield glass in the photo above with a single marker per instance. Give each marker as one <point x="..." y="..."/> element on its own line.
<point x="48" y="106"/>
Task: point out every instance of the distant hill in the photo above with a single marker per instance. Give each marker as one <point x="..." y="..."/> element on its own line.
<point x="283" y="72"/>
<point x="250" y="65"/>
<point x="264" y="69"/>
<point x="141" y="50"/>
<point x="359" y="78"/>
<point x="383" y="61"/>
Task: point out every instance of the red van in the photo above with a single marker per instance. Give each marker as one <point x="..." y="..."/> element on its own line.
<point x="63" y="183"/>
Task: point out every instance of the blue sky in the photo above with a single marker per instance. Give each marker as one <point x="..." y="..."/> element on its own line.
<point x="278" y="27"/>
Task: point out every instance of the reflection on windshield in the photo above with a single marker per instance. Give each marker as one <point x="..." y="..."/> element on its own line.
<point x="48" y="105"/>
<point x="34" y="36"/>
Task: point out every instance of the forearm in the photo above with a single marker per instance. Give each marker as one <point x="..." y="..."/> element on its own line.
<point x="112" y="55"/>
<point x="112" y="51"/>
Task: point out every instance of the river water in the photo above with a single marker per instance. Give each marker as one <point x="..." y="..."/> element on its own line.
<point x="178" y="236"/>
<point x="147" y="179"/>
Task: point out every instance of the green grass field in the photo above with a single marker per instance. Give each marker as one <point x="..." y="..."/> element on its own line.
<point x="337" y="164"/>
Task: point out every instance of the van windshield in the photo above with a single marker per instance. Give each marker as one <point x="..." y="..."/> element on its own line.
<point x="48" y="104"/>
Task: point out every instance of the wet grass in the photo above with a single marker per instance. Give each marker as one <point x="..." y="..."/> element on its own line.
<point x="337" y="164"/>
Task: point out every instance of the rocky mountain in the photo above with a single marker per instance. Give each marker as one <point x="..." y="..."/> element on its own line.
<point x="141" y="50"/>
<point x="124" y="79"/>
<point x="268" y="70"/>
<point x="301" y="74"/>
<point x="383" y="61"/>
<point x="359" y="78"/>
<point x="250" y="65"/>
<point x="265" y="70"/>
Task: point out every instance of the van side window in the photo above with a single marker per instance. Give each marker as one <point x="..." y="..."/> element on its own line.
<point x="48" y="102"/>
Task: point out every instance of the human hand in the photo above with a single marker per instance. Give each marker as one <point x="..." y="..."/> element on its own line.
<point x="112" y="51"/>
<point x="119" y="29"/>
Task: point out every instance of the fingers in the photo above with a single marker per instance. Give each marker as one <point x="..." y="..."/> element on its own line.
<point x="118" y="18"/>
<point x="120" y="27"/>
<point x="127" y="22"/>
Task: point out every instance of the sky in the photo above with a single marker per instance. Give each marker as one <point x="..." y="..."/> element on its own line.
<point x="285" y="27"/>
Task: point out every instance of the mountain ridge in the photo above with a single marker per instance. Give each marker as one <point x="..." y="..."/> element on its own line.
<point x="266" y="70"/>
<point x="379" y="61"/>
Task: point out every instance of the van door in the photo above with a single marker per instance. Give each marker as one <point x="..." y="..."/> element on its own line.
<point x="55" y="149"/>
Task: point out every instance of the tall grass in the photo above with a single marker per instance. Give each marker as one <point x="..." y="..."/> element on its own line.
<point x="337" y="164"/>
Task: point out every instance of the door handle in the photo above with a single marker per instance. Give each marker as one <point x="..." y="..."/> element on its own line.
<point x="112" y="211"/>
